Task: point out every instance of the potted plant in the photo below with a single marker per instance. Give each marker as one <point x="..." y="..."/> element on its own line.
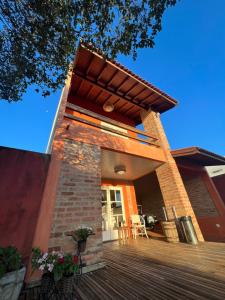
<point x="58" y="270"/>
<point x="12" y="273"/>
<point x="80" y="236"/>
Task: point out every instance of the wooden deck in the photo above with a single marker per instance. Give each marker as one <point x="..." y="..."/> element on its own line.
<point x="153" y="269"/>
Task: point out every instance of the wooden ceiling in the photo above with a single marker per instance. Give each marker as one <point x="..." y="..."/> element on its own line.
<point x="99" y="80"/>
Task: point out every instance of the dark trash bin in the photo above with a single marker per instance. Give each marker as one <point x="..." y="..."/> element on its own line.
<point x="188" y="230"/>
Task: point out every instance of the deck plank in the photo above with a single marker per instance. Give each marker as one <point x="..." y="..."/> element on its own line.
<point x="156" y="270"/>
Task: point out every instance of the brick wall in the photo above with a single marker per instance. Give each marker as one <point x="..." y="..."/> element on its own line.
<point x="149" y="195"/>
<point x="199" y="196"/>
<point x="170" y="181"/>
<point x="78" y="200"/>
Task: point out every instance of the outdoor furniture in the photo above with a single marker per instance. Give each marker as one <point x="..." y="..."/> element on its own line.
<point x="138" y="226"/>
<point x="123" y="232"/>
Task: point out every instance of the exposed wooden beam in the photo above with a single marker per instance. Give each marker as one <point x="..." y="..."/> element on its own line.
<point x="126" y="111"/>
<point x="111" y="79"/>
<point x="122" y="83"/>
<point x="90" y="64"/>
<point x="102" y="70"/>
<point x="136" y="78"/>
<point x="138" y="94"/>
<point x="115" y="93"/>
<point x="146" y="97"/>
<point x="88" y="93"/>
<point x="130" y="89"/>
<point x="96" y="97"/>
<point x="107" y="99"/>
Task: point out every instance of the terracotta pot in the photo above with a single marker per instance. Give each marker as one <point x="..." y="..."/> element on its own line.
<point x="82" y="245"/>
<point x="11" y="284"/>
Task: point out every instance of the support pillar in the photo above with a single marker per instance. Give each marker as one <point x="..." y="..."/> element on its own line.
<point x="170" y="181"/>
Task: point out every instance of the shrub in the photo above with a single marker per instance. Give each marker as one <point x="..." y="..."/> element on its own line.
<point x="10" y="260"/>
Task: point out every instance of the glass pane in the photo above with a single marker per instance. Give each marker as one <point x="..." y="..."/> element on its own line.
<point x="116" y="208"/>
<point x="120" y="220"/>
<point x="104" y="195"/>
<point x="104" y="216"/>
<point x="118" y="196"/>
<point x="112" y="195"/>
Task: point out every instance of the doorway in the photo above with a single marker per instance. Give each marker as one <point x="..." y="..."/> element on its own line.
<point x="113" y="215"/>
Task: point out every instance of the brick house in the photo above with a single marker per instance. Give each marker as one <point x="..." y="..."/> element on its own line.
<point x="101" y="167"/>
<point x="97" y="154"/>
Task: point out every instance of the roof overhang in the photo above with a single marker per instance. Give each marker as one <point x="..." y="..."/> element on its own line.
<point x="200" y="156"/>
<point x="135" y="166"/>
<point x="99" y="80"/>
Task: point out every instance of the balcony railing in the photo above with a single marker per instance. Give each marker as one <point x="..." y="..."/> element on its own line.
<point x="149" y="139"/>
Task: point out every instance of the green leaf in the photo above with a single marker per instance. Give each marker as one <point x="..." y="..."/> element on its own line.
<point x="38" y="39"/>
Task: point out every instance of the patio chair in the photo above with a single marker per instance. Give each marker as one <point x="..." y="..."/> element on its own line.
<point x="138" y="226"/>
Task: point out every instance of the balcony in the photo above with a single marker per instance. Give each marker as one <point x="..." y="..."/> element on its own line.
<point x="119" y="143"/>
<point x="107" y="125"/>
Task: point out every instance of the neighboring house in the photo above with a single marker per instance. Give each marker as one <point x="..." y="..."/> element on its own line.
<point x="102" y="166"/>
<point x="216" y="170"/>
<point x="206" y="198"/>
<point x="217" y="173"/>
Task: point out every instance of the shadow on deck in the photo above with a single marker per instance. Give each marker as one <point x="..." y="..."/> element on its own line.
<point x="153" y="269"/>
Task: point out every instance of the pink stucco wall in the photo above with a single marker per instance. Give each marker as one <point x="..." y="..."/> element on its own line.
<point x="22" y="180"/>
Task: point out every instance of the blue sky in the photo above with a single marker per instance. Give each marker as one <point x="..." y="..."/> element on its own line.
<point x="188" y="63"/>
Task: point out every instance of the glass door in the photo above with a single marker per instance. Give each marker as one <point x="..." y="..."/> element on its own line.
<point x="112" y="212"/>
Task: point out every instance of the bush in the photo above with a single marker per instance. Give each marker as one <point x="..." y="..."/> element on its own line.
<point x="10" y="260"/>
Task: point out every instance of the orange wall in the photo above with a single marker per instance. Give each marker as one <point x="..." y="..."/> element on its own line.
<point x="129" y="197"/>
<point x="90" y="135"/>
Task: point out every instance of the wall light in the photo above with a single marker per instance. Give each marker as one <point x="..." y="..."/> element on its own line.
<point x="108" y="107"/>
<point x="120" y="170"/>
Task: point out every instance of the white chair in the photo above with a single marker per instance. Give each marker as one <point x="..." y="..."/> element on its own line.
<point x="138" y="226"/>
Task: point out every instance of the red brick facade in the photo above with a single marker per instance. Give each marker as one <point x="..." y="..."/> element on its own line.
<point x="170" y="181"/>
<point x="78" y="200"/>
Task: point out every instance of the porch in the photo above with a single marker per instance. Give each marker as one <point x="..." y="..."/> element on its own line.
<point x="153" y="269"/>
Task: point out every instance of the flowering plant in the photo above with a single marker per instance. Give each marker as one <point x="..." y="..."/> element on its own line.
<point x="56" y="263"/>
<point x="81" y="233"/>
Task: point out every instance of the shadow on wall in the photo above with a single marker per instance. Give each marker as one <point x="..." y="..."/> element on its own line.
<point x="22" y="180"/>
<point x="149" y="195"/>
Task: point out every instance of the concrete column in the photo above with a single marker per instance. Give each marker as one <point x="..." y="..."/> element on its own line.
<point x="170" y="182"/>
